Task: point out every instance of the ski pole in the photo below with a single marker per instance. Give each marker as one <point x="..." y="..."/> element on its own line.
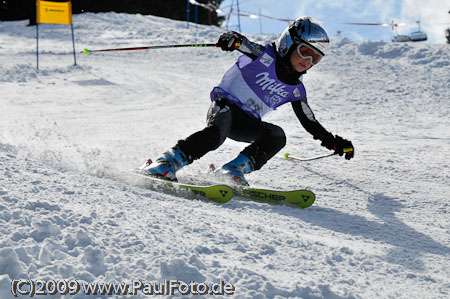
<point x="87" y="51"/>
<point x="288" y="156"/>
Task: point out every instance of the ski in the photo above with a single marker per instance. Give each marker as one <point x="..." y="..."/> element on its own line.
<point x="299" y="198"/>
<point x="215" y="192"/>
<point x="223" y="193"/>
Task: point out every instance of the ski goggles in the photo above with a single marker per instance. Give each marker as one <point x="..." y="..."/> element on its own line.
<point x="307" y="51"/>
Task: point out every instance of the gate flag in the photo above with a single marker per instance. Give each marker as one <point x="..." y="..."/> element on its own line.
<point x="54" y="12"/>
<point x="51" y="12"/>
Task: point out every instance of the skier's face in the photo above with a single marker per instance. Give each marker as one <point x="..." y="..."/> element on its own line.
<point x="300" y="64"/>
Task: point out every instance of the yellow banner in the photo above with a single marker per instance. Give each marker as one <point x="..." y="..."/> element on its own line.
<point x="54" y="12"/>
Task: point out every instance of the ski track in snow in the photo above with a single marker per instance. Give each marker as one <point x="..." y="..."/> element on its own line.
<point x="378" y="229"/>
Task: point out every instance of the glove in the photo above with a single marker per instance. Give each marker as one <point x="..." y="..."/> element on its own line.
<point x="340" y="145"/>
<point x="230" y="41"/>
<point x="328" y="141"/>
<point x="344" y="146"/>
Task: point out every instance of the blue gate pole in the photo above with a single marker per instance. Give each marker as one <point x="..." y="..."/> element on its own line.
<point x="239" y="16"/>
<point x="187" y="14"/>
<point x="196" y="16"/>
<point x="37" y="46"/>
<point x="73" y="43"/>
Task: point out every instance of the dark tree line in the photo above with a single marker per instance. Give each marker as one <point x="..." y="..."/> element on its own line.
<point x="174" y="9"/>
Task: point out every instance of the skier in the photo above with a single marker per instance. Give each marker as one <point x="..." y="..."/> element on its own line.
<point x="263" y="79"/>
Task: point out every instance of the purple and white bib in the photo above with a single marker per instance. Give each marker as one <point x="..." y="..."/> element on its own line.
<point x="255" y="87"/>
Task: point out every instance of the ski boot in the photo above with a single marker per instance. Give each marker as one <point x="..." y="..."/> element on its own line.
<point x="166" y="166"/>
<point x="236" y="169"/>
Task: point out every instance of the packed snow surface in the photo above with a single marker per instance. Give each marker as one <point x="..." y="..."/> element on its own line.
<point x="380" y="227"/>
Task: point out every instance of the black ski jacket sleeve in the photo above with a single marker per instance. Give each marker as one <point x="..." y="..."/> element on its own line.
<point x="308" y="120"/>
<point x="251" y="49"/>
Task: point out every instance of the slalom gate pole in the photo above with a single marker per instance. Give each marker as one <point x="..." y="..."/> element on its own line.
<point x="37" y="46"/>
<point x="86" y="51"/>
<point x="288" y="156"/>
<point x="73" y="44"/>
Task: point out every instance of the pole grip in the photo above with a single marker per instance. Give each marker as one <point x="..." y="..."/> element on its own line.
<point x="347" y="150"/>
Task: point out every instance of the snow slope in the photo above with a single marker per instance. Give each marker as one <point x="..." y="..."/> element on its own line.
<point x="380" y="227"/>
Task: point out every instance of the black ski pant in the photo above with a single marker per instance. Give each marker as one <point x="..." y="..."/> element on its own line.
<point x="226" y="119"/>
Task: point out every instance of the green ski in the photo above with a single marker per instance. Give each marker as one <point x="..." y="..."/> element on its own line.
<point x="216" y="192"/>
<point x="300" y="198"/>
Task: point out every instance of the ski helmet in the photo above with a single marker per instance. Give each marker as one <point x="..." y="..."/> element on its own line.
<point x="303" y="30"/>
